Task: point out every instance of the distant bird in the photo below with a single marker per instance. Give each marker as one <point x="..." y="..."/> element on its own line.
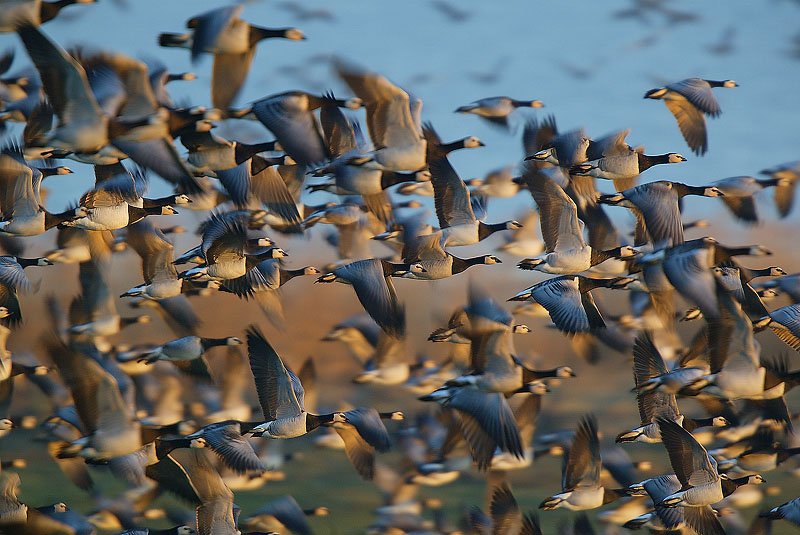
<point x="459" y="225"/>
<point x="701" y="483"/>
<point x="784" y="191"/>
<point x="497" y="110"/>
<point x="580" y="482"/>
<point x="485" y="421"/>
<point x="280" y="394"/>
<point x="655" y="205"/>
<point x="739" y="194"/>
<point x="688" y="100"/>
<point x="565" y="249"/>
<point x="393" y="125"/>
<point x="232" y="41"/>
<point x="371" y="280"/>
<point x="619" y="162"/>
<point x="452" y="12"/>
<point x="569" y="302"/>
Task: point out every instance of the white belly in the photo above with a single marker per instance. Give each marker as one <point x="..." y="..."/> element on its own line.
<point x="402" y="158"/>
<point x="466" y="234"/>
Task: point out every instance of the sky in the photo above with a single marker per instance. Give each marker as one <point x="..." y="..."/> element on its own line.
<point x="585" y="60"/>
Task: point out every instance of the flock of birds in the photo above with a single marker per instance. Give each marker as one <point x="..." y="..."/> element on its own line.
<point x="126" y="410"/>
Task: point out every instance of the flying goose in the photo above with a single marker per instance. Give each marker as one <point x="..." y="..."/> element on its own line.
<point x="785" y="323"/>
<point x="388" y="363"/>
<point x="223" y="438"/>
<point x="688" y="100"/>
<point x="436" y="148"/>
<point x="122" y="88"/>
<point x="647" y="365"/>
<point x="132" y="186"/>
<point x="580" y="482"/>
<point x="498" y="370"/>
<point x="525" y="241"/>
<point x="738" y="194"/>
<point x="485" y="421"/>
<point x="32" y="13"/>
<point x="363" y="433"/>
<point x="232" y="41"/>
<point x="622" y="164"/>
<point x="701" y="483"/>
<point x="20" y="198"/>
<point x="83" y="128"/>
<point x="657" y="204"/>
<point x="239" y="183"/>
<point x="429" y="261"/>
<point x="262" y="282"/>
<point x="566" y="251"/>
<point x="283" y="514"/>
<point x="290" y="117"/>
<point x="191" y="474"/>
<point x="688" y="268"/>
<point x="158" y="271"/>
<point x="346" y="145"/>
<point x="454" y="210"/>
<point x="223" y="248"/>
<point x="393" y="128"/>
<point x="784" y="190"/>
<point x="789" y="511"/>
<point x="105" y="209"/>
<point x="210" y="152"/>
<point x="506" y="517"/>
<point x="111" y="430"/>
<point x="658" y="488"/>
<point x="497" y="110"/>
<point x="188" y="353"/>
<point x="282" y="399"/>
<point x="360" y="335"/>
<point x="371" y="280"/>
<point x="569" y="302"/>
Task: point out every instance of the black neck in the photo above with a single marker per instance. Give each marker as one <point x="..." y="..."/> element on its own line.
<point x="213" y="342"/>
<point x="49" y="10"/>
<point x="265" y="255"/>
<point x="716" y="83"/>
<point x="244" y="151"/>
<point x="292" y="273"/>
<point x="485" y="230"/>
<point x="390" y="178"/>
<point x="646" y="162"/>
<point x="690" y="190"/>
<point x="390" y="269"/>
<point x="601" y="256"/>
<point x="460" y="264"/>
<point x="690" y="424"/>
<point x="25" y="262"/>
<point x="447" y="148"/>
<point x="158" y="202"/>
<point x="313" y="421"/>
<point x="258" y="33"/>
<point x="52" y="220"/>
<point x="730" y="485"/>
<point x="750" y="274"/>
<point x="48" y="171"/>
